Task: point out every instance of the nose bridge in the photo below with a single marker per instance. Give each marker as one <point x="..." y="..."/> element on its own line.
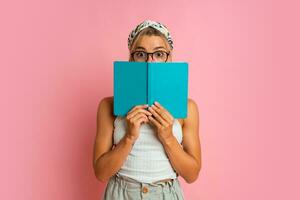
<point x="150" y="56"/>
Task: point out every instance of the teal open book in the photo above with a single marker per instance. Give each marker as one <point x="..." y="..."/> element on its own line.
<point x="137" y="83"/>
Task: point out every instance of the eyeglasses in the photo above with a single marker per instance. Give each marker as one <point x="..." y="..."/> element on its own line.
<point x="142" y="56"/>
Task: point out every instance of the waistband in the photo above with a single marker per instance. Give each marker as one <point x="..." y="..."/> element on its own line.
<point x="119" y="182"/>
<point x="135" y="182"/>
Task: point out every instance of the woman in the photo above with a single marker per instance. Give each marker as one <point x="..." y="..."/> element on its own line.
<point x="142" y="155"/>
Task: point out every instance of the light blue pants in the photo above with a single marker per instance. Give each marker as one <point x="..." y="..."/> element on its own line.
<point x="124" y="188"/>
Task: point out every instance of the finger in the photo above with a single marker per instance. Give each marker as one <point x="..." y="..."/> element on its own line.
<point x="154" y="121"/>
<point x="158" y="117"/>
<point x="139" y="111"/>
<point x="167" y="113"/>
<point x="137" y="107"/>
<point x="138" y="119"/>
<point x="142" y="119"/>
<point x="162" y="114"/>
<point x="137" y="116"/>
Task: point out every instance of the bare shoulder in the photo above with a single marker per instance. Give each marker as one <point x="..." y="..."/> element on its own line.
<point x="192" y="106"/>
<point x="109" y="99"/>
<point x="193" y="113"/>
<point x="105" y="108"/>
<point x="107" y="102"/>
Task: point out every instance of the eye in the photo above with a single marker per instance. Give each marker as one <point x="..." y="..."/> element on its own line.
<point x="159" y="54"/>
<point x="140" y="54"/>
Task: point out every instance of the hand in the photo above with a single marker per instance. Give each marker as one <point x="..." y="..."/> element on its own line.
<point x="134" y="118"/>
<point x="162" y="120"/>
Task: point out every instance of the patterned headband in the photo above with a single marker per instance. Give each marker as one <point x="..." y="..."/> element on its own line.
<point x="158" y="26"/>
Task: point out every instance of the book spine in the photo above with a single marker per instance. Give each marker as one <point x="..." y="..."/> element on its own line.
<point x="148" y="89"/>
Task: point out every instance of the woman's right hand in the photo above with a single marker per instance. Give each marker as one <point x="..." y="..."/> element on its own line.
<point x="134" y="118"/>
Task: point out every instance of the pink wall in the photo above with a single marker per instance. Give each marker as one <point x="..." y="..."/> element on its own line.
<point x="56" y="65"/>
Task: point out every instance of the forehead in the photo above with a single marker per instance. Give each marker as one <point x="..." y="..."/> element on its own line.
<point x="150" y="42"/>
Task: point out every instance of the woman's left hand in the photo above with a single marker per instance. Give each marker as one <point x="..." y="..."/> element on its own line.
<point x="162" y="120"/>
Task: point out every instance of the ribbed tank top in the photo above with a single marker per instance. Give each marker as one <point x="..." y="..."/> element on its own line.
<point x="147" y="161"/>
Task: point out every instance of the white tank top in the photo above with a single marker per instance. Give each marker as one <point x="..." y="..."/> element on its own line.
<point x="147" y="161"/>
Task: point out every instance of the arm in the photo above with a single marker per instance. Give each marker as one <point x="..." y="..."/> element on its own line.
<point x="187" y="160"/>
<point x="108" y="161"/>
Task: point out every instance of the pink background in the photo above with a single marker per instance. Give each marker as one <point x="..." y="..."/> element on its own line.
<point x="56" y="65"/>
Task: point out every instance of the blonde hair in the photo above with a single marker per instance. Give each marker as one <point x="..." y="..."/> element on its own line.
<point x="150" y="31"/>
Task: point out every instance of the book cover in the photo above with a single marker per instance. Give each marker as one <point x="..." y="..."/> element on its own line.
<point x="137" y="83"/>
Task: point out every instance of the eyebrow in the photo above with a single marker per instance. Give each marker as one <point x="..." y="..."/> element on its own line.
<point x="139" y="47"/>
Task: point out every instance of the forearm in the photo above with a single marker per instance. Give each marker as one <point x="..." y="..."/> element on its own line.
<point x="183" y="163"/>
<point x="109" y="163"/>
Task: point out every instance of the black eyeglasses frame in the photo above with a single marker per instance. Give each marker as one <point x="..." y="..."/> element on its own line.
<point x="149" y="53"/>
